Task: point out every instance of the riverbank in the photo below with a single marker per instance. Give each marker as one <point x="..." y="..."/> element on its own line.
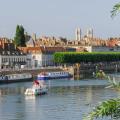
<point x="83" y="71"/>
<point x="34" y="71"/>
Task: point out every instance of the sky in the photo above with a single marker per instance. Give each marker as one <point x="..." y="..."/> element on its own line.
<point x="59" y="18"/>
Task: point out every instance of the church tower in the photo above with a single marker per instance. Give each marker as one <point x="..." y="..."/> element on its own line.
<point x="78" y="34"/>
<point x="90" y="33"/>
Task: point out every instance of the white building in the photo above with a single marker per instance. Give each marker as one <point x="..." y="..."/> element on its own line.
<point x="102" y="48"/>
<point x="10" y="56"/>
<point x="12" y="59"/>
<point x="41" y="56"/>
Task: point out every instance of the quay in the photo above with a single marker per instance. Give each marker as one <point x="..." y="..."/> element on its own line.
<point x="33" y="71"/>
<point x="78" y="71"/>
<point x="86" y="69"/>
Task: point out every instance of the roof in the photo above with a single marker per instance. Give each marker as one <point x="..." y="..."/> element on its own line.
<point x="42" y="49"/>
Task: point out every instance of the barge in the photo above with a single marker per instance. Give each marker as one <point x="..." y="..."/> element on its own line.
<point x="11" y="78"/>
<point x="53" y="75"/>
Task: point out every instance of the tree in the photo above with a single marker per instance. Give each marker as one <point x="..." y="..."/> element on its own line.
<point x="77" y="57"/>
<point x="19" y="38"/>
<point x="115" y="10"/>
<point x="107" y="108"/>
<point x="110" y="107"/>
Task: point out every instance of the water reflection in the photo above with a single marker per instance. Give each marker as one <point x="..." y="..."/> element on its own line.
<point x="89" y="95"/>
<point x="31" y="97"/>
<point x="16" y="90"/>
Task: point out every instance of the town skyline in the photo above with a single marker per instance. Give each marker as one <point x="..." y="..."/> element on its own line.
<point x="59" y="18"/>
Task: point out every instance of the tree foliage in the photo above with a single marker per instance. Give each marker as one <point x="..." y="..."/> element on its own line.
<point x="19" y="38"/>
<point x="77" y="57"/>
<point x="115" y="10"/>
<point x="113" y="83"/>
<point x="109" y="108"/>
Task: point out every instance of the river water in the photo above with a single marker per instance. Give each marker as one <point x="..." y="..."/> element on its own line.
<point x="66" y="100"/>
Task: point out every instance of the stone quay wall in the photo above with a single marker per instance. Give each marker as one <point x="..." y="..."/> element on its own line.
<point x="34" y="72"/>
<point x="83" y="70"/>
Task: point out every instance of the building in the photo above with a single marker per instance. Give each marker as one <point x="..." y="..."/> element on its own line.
<point x="10" y="56"/>
<point x="78" y="34"/>
<point x="89" y="33"/>
<point x="101" y="48"/>
<point x="41" y="56"/>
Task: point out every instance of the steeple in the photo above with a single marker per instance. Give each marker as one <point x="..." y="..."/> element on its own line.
<point x="78" y="34"/>
<point x="90" y="33"/>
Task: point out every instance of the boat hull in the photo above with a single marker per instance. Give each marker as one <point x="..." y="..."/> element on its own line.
<point x="54" y="75"/>
<point x="16" y="80"/>
<point x="31" y="91"/>
<point x="50" y="78"/>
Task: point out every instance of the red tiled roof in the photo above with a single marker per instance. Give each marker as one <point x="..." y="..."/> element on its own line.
<point x="41" y="49"/>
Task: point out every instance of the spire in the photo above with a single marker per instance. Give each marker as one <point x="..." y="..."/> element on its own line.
<point x="90" y="33"/>
<point x="78" y="34"/>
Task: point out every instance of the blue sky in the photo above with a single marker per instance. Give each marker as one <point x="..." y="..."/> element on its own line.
<point x="59" y="17"/>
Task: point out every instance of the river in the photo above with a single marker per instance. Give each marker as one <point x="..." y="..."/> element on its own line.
<point x="66" y="100"/>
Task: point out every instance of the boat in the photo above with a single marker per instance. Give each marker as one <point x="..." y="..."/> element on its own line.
<point x="11" y="78"/>
<point x="39" y="88"/>
<point x="53" y="75"/>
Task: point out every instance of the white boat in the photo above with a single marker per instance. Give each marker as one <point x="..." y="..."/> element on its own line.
<point x="11" y="78"/>
<point x="38" y="88"/>
<point x="53" y="75"/>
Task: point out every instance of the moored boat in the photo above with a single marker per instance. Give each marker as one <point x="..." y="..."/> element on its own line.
<point x="11" y="78"/>
<point x="53" y="75"/>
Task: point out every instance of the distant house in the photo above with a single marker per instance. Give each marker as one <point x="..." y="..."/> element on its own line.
<point x="40" y="56"/>
<point x="10" y="56"/>
<point x="102" y="48"/>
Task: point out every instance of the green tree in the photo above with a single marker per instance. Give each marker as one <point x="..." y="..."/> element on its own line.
<point x="115" y="10"/>
<point x="77" y="57"/>
<point x="109" y="108"/>
<point x="19" y="38"/>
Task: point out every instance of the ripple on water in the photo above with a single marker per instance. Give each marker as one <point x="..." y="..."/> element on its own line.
<point x="66" y="100"/>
